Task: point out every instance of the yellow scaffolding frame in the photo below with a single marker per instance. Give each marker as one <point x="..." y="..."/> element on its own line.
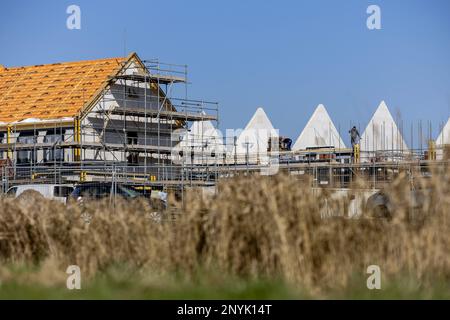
<point x="8" y="141"/>
<point x="77" y="138"/>
<point x="356" y="153"/>
<point x="431" y="150"/>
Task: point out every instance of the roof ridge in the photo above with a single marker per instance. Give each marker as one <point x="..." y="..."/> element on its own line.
<point x="66" y="63"/>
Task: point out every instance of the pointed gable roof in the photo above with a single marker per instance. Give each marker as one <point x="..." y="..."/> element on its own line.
<point x="259" y="120"/>
<point x="256" y="134"/>
<point x="203" y="134"/>
<point x="444" y="136"/>
<point x="382" y="132"/>
<point x="319" y="132"/>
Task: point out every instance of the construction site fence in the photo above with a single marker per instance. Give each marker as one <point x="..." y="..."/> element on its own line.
<point x="180" y="176"/>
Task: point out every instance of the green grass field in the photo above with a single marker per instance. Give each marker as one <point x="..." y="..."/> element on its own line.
<point x="120" y="284"/>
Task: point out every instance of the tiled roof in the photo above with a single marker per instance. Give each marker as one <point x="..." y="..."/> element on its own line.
<point x="53" y="90"/>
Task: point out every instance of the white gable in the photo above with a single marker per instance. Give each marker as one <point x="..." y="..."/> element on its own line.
<point x="255" y="136"/>
<point x="260" y="120"/>
<point x="444" y="136"/>
<point x="203" y="134"/>
<point x="382" y="133"/>
<point x="319" y="132"/>
<point x="204" y="141"/>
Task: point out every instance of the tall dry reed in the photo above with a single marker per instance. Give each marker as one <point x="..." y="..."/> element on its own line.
<point x="254" y="227"/>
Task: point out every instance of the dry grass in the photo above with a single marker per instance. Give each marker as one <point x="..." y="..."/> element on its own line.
<point x="259" y="227"/>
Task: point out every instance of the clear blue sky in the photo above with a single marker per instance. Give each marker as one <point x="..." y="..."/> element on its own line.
<point x="286" y="56"/>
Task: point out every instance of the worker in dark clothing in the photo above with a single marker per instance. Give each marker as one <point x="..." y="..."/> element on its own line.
<point x="286" y="143"/>
<point x="354" y="136"/>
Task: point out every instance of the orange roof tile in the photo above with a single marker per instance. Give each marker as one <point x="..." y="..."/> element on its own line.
<point x="53" y="90"/>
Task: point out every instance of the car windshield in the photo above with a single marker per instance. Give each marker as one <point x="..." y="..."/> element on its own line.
<point x="103" y="190"/>
<point x="62" y="191"/>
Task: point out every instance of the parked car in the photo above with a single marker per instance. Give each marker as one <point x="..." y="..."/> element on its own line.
<point x="58" y="192"/>
<point x="102" y="190"/>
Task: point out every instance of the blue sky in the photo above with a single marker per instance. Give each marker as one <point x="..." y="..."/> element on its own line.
<point x="286" y="56"/>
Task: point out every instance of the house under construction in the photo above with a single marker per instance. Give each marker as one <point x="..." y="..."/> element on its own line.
<point x="91" y="116"/>
<point x="127" y="119"/>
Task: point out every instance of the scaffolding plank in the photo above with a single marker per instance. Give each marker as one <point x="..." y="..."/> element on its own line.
<point x="177" y="115"/>
<point x="85" y="145"/>
<point x="153" y="78"/>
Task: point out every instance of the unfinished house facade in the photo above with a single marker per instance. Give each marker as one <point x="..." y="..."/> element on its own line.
<point x="95" y="115"/>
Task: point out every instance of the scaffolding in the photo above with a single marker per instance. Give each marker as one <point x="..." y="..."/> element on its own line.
<point x="129" y="129"/>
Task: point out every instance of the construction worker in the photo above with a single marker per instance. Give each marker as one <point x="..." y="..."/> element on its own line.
<point x="354" y="136"/>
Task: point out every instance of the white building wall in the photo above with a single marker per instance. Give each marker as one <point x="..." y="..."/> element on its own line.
<point x="109" y="128"/>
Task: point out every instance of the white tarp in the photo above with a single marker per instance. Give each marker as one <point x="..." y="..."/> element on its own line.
<point x="319" y="132"/>
<point x="38" y="120"/>
<point x="382" y="133"/>
<point x="254" y="139"/>
<point x="205" y="141"/>
<point x="444" y="136"/>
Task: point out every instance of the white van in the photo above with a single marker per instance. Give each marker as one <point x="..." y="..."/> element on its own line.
<point x="58" y="192"/>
